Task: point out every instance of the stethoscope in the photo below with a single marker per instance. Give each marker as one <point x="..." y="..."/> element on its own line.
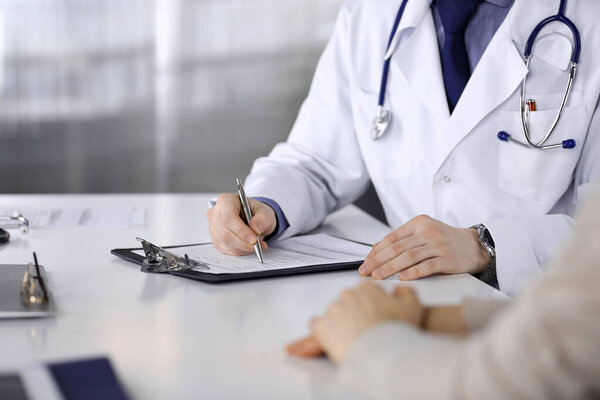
<point x="383" y="117"/>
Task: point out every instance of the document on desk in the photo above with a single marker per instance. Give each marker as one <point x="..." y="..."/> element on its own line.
<point x="295" y="252"/>
<point x="110" y="217"/>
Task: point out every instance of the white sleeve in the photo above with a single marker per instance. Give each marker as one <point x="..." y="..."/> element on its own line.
<point x="319" y="168"/>
<point x="545" y="346"/>
<point x="478" y="312"/>
<point x="525" y="244"/>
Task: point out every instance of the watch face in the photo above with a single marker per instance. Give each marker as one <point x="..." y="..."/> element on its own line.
<point x="488" y="238"/>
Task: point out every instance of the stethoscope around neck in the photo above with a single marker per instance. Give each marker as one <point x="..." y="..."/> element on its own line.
<point x="384" y="116"/>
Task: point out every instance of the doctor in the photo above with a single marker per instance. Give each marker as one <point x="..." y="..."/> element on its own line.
<point x="460" y="199"/>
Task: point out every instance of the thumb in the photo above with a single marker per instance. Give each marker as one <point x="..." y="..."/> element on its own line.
<point x="307" y="347"/>
<point x="404" y="291"/>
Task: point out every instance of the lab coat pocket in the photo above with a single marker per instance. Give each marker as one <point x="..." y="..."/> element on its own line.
<point x="388" y="157"/>
<point x="540" y="175"/>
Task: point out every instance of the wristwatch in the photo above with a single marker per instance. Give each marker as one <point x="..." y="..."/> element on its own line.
<point x="485" y="239"/>
<point x="4" y="236"/>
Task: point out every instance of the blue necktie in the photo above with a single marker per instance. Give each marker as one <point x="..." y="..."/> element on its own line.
<point x="455" y="15"/>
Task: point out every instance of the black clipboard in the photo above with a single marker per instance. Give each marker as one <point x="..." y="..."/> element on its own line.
<point x="129" y="255"/>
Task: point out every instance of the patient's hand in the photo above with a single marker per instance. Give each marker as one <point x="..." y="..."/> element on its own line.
<point x="354" y="312"/>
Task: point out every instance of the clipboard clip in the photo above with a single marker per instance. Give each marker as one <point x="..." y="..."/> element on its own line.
<point x="159" y="260"/>
<point x="33" y="288"/>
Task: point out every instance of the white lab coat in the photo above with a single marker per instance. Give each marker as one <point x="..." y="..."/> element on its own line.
<point x="452" y="168"/>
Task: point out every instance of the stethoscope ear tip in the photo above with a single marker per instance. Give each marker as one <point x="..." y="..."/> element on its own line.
<point x="503" y="136"/>
<point x="565" y="144"/>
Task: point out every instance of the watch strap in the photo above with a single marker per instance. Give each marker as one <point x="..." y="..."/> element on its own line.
<point x="489" y="275"/>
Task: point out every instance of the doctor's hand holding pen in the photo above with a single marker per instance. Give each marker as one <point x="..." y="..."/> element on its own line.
<point x="228" y="231"/>
<point x="425" y="246"/>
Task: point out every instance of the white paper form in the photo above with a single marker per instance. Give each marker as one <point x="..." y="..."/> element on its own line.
<point x="112" y="217"/>
<point x="299" y="251"/>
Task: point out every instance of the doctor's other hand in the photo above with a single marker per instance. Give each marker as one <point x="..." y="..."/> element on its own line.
<point x="425" y="246"/>
<point x="353" y="313"/>
<point x="228" y="231"/>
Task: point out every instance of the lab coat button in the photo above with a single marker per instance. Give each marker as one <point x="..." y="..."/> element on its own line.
<point x="447" y="179"/>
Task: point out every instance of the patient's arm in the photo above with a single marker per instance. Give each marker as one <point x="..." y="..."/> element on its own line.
<point x="473" y="315"/>
<point x="445" y="319"/>
<point x="545" y="346"/>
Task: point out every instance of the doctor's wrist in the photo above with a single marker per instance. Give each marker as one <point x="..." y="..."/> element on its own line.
<point x="482" y="256"/>
<point x="486" y="241"/>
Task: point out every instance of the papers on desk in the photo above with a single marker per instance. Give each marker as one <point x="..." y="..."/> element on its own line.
<point x="295" y="252"/>
<point x="113" y="217"/>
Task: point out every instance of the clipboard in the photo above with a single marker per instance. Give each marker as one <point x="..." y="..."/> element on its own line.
<point x="11" y="304"/>
<point x="129" y="254"/>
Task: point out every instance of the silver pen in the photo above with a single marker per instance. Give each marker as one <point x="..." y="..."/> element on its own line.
<point x="248" y="214"/>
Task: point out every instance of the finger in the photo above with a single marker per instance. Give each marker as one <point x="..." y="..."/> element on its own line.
<point x="230" y="243"/>
<point x="368" y="296"/>
<point x="346" y="294"/>
<point x="403" y="232"/>
<point x="234" y="223"/>
<point x="369" y="287"/>
<point x="421" y="270"/>
<point x="366" y="285"/>
<point x="229" y="238"/>
<point x="307" y="347"/>
<point x="405" y="292"/>
<point x="315" y="324"/>
<point x="263" y="245"/>
<point x="405" y="260"/>
<point x="223" y="248"/>
<point x="230" y="218"/>
<point x="376" y="259"/>
<point x="209" y="213"/>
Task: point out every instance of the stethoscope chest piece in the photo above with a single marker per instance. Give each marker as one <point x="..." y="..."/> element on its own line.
<point x="380" y="123"/>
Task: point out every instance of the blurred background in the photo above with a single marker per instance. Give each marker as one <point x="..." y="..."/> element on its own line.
<point x="150" y="95"/>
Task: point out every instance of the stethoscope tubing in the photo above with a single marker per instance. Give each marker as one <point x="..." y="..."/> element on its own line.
<point x="383" y="116"/>
<point x="524" y="110"/>
<point x="562" y="18"/>
<point x="386" y="64"/>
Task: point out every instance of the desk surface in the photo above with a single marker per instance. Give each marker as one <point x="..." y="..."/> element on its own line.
<point x="170" y="337"/>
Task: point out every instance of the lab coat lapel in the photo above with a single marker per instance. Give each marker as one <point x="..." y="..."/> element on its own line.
<point x="417" y="58"/>
<point x="497" y="75"/>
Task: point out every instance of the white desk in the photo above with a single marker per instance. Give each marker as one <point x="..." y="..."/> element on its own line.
<point x="173" y="338"/>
